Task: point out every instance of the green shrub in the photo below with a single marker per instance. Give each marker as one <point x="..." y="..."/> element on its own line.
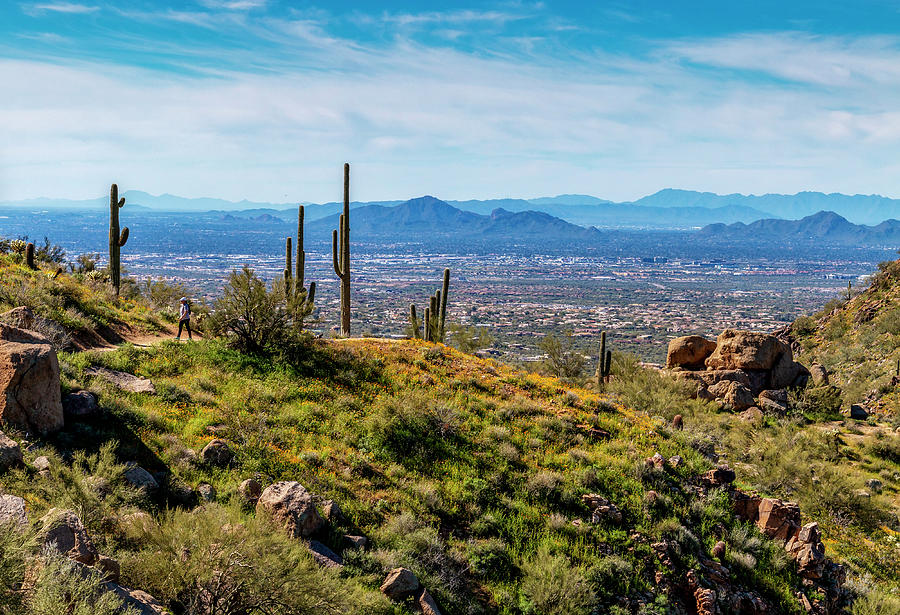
<point x="213" y="556"/>
<point x="412" y="428"/>
<point x="15" y="546"/>
<point x="490" y="559"/>
<point x="817" y="404"/>
<point x="876" y="603"/>
<point x="552" y="586"/>
<point x="611" y="577"/>
<point x="64" y="588"/>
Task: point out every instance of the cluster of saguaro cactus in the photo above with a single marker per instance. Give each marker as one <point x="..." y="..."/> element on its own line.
<point x="605" y="362"/>
<point x="116" y="240"/>
<point x="300" y="300"/>
<point x="340" y="255"/>
<point x="435" y="314"/>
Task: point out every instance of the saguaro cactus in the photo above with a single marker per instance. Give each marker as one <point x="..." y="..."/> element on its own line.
<point x="299" y="299"/>
<point x="29" y="256"/>
<point x="340" y="255"/>
<point x="414" y="322"/>
<point x="435" y="313"/>
<point x="605" y="361"/>
<point x="116" y="240"/>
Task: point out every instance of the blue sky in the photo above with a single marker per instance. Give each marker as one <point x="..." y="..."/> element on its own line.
<point x="265" y="100"/>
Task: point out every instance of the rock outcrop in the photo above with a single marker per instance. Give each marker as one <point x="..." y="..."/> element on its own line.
<point x="12" y="510"/>
<point x="123" y="380"/>
<point x="400" y="583"/>
<point x="29" y="381"/>
<point x="739" y="368"/>
<point x="63" y="531"/>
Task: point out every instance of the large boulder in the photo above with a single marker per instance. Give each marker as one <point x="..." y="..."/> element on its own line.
<point x="746" y="350"/>
<point x="291" y="506"/>
<point x="29" y="381"/>
<point x="138" y="477"/>
<point x="63" y="531"/>
<point x="689" y="352"/>
<point x="774" y="402"/>
<point x="808" y="550"/>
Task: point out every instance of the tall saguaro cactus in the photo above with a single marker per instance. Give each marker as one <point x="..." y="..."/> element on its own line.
<point x="340" y="255"/>
<point x="116" y="240"/>
<point x="300" y="299"/>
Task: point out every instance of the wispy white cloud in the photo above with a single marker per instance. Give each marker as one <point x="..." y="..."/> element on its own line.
<point x="418" y="119"/>
<point x="234" y="5"/>
<point x="60" y="7"/>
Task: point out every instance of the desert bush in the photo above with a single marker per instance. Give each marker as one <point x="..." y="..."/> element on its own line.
<point x="611" y="577"/>
<point x="412" y="428"/>
<point x="212" y="560"/>
<point x="552" y="586"/>
<point x="15" y="547"/>
<point x="490" y="559"/>
<point x="561" y="358"/>
<point x="817" y="403"/>
<point x="63" y="587"/>
<point x="876" y="603"/>
<point x="248" y="314"/>
<point x="470" y="339"/>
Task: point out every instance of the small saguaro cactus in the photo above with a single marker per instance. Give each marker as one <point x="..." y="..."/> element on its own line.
<point x="414" y="322"/>
<point x="435" y="314"/>
<point x="29" y="256"/>
<point x="300" y="300"/>
<point x="116" y="239"/>
<point x="849" y="290"/>
<point x="605" y="361"/>
<point x="340" y="255"/>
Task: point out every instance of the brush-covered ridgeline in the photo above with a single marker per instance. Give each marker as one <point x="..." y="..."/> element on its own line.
<point x="374" y="476"/>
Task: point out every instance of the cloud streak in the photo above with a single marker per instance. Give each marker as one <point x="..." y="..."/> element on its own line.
<point x="751" y="112"/>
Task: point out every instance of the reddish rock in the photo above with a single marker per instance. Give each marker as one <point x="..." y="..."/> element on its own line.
<point x="426" y="603"/>
<point x="63" y="531"/>
<point x="399" y="583"/>
<point x="746" y="350"/>
<point x="677" y="422"/>
<point x="777" y="519"/>
<point x="718" y="550"/>
<point x="29" y="381"/>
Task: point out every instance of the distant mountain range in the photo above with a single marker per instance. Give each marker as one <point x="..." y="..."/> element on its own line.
<point x="824" y="226"/>
<point x="666" y="209"/>
<point x="426" y="216"/>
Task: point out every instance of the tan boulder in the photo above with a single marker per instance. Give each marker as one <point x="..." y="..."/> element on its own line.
<point x="746" y="350"/>
<point x="733" y="394"/>
<point x="818" y="374"/>
<point x="12" y="510"/>
<point x="29" y="381"/>
<point x="689" y="352"/>
<point x="399" y="583"/>
<point x="290" y="505"/>
<point x="10" y="452"/>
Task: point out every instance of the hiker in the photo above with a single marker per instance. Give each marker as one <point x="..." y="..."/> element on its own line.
<point x="184" y="319"/>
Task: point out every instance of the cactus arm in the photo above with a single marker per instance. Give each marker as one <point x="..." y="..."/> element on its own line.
<point x="123" y="238"/>
<point x="311" y="294"/>
<point x="334" y="253"/>
<point x="445" y="290"/>
<point x="413" y="321"/>
<point x="122" y="202"/>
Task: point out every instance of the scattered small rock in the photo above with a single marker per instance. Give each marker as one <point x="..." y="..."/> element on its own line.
<point x="217" y="453"/>
<point x="109" y="567"/>
<point x="324" y="556"/>
<point x="601" y="508"/>
<point x="718" y="550"/>
<point x="875" y="485"/>
<point x="250" y="491"/>
<point x="80" y="404"/>
<point x="63" y="530"/>
<point x="857" y="412"/>
<point x="752" y="414"/>
<point x="207" y="492"/>
<point x="356" y="542"/>
<point x="12" y="509"/>
<point x="426" y="603"/>
<point x="675" y="461"/>
<point x="122" y="380"/>
<point x="10" y="453"/>
<point x="136" y="476"/>
<point x="41" y="464"/>
<point x="399" y="583"/>
<point x="818" y="374"/>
